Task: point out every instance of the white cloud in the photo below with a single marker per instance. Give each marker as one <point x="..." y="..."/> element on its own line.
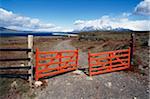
<point x="126" y="14"/>
<point x="108" y="23"/>
<point x="143" y="8"/>
<point x="13" y="21"/>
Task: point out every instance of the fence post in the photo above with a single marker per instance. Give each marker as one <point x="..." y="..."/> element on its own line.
<point x="129" y="58"/>
<point x="132" y="48"/>
<point x="30" y="55"/>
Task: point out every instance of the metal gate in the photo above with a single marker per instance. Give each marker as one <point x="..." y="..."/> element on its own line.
<point x="110" y="61"/>
<point x="50" y="63"/>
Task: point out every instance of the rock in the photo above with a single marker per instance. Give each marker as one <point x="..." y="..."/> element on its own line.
<point x="89" y="78"/>
<point x="14" y="84"/>
<point x="45" y="82"/>
<point x="22" y="65"/>
<point x="121" y="89"/>
<point x="38" y="83"/>
<point x="140" y="67"/>
<point x="108" y="84"/>
<point x="148" y="91"/>
<point x="78" y="72"/>
<point x="68" y="84"/>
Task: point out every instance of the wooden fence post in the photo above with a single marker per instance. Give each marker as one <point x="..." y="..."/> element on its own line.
<point x="30" y="55"/>
<point x="131" y="48"/>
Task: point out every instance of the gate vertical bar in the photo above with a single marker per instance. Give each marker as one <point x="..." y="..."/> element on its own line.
<point x="110" y="61"/>
<point x="30" y="55"/>
<point x="77" y="52"/>
<point x="60" y="59"/>
<point x="89" y="62"/>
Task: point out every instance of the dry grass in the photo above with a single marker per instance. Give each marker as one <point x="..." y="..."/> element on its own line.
<point x="98" y="46"/>
<point x="101" y="41"/>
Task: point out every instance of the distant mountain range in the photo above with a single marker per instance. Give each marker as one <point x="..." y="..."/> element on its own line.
<point x="85" y="29"/>
<point x="92" y="28"/>
<point x="4" y="31"/>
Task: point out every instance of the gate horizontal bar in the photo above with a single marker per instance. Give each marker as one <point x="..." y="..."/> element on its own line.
<point x="107" y="70"/>
<point x="57" y="68"/>
<point x="105" y="58"/>
<point x="47" y="58"/>
<point x="109" y="52"/>
<point x="51" y="63"/>
<point x="53" y="52"/>
<point x="55" y="73"/>
<point x="113" y="66"/>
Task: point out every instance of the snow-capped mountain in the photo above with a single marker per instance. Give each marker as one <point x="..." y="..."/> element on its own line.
<point x="106" y="28"/>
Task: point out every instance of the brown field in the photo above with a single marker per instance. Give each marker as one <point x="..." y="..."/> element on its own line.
<point x="93" y="42"/>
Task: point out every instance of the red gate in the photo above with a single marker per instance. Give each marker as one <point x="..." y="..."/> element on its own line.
<point x="104" y="62"/>
<point x="55" y="62"/>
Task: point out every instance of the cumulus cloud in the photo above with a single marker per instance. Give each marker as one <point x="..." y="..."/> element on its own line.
<point x="108" y="23"/>
<point x="143" y="8"/>
<point x="13" y="21"/>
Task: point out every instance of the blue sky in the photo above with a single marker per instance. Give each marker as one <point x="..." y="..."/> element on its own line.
<point x="65" y="13"/>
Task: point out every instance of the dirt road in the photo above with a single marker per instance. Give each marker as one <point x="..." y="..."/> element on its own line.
<point x="116" y="85"/>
